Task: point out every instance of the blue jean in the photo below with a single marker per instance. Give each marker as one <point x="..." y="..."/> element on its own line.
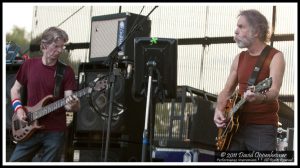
<point x="254" y="138"/>
<point x="50" y="144"/>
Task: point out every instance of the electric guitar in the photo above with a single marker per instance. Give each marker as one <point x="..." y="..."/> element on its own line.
<point x="225" y="134"/>
<point x="21" y="130"/>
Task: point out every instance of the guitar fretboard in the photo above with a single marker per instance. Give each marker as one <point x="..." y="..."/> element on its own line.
<point x="237" y="107"/>
<point x="55" y="105"/>
<point x="259" y="87"/>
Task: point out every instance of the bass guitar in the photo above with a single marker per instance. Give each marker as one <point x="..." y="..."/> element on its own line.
<point x="23" y="130"/>
<point x="225" y="134"/>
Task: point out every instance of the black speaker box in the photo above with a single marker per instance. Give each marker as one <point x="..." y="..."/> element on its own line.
<point x="93" y="114"/>
<point x="109" y="31"/>
<point x="203" y="129"/>
<point x="93" y="119"/>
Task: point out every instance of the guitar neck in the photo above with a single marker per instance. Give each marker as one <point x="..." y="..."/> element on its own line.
<point x="237" y="106"/>
<point x="242" y="101"/>
<point x="56" y="105"/>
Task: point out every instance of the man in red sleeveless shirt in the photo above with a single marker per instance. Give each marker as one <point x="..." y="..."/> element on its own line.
<point x="258" y="117"/>
<point x="37" y="75"/>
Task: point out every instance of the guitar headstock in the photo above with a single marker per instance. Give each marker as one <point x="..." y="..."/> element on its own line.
<point x="263" y="85"/>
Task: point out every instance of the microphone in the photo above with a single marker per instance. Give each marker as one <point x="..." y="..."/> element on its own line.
<point x="128" y="64"/>
<point x="151" y="11"/>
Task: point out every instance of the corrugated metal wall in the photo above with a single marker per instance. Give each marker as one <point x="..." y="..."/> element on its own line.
<point x="203" y="67"/>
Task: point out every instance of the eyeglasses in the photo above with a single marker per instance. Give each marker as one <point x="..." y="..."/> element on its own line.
<point x="55" y="46"/>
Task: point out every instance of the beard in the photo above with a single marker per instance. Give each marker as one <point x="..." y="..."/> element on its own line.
<point x="244" y="42"/>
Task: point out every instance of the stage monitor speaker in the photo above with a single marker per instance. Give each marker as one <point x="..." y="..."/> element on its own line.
<point x="108" y="31"/>
<point x="127" y="114"/>
<point x="203" y="129"/>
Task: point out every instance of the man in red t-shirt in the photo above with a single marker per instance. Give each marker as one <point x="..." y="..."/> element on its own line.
<point x="37" y="75"/>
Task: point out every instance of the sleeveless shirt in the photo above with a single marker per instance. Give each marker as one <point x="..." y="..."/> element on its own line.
<point x="252" y="113"/>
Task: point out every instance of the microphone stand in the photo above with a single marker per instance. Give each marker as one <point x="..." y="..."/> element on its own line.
<point x="113" y="72"/>
<point x="151" y="66"/>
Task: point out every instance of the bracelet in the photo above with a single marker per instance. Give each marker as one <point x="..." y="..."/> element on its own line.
<point x="16" y="104"/>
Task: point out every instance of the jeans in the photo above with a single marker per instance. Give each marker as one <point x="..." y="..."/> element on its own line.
<point x="254" y="138"/>
<point x="50" y="144"/>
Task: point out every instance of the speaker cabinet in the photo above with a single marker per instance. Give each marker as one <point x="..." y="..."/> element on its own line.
<point x="109" y="31"/>
<point x="90" y="124"/>
<point x="94" y="107"/>
<point x="203" y="129"/>
<point x="127" y="114"/>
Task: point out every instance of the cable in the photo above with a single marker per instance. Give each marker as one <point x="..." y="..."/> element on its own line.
<point x="70" y="16"/>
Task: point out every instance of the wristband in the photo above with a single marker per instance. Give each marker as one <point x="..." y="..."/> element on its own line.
<point x="16" y="104"/>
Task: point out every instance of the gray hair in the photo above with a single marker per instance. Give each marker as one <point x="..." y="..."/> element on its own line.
<point x="258" y="23"/>
<point x="53" y="34"/>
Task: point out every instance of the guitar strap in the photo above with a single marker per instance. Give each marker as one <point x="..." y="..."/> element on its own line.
<point x="258" y="65"/>
<point x="59" y="75"/>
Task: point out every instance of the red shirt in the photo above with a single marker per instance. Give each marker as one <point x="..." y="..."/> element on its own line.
<point x="39" y="80"/>
<point x="252" y="113"/>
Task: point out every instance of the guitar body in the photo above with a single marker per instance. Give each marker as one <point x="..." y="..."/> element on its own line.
<point x="225" y="134"/>
<point x="21" y="131"/>
<point x="231" y="114"/>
